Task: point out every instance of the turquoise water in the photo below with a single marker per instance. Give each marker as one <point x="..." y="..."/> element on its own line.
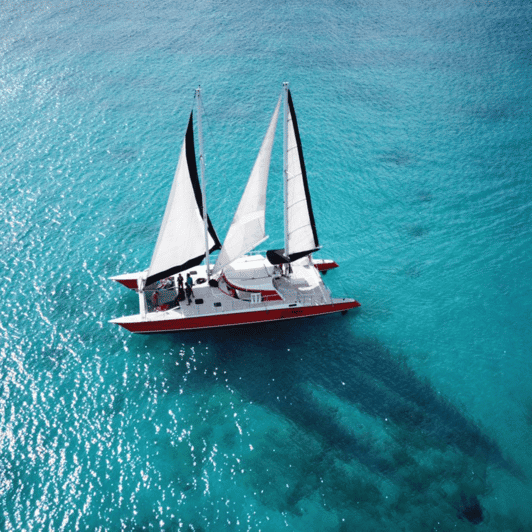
<point x="416" y="125"/>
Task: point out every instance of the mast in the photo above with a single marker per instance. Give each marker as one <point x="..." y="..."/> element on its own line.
<point x="203" y="187"/>
<point x="285" y="165"/>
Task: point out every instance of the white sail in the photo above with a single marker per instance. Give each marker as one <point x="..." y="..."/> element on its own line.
<point x="181" y="242"/>
<point x="300" y="229"/>
<point x="248" y="227"/>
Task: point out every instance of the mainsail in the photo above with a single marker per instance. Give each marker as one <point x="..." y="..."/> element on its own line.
<point x="248" y="227"/>
<point x="301" y="237"/>
<point x="181" y="243"/>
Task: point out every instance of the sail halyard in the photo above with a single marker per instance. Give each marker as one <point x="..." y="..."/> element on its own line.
<point x="301" y="237"/>
<point x="181" y="241"/>
<point x="247" y="229"/>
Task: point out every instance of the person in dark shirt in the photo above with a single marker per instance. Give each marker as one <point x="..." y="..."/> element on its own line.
<point x="188" y="288"/>
<point x="189" y="293"/>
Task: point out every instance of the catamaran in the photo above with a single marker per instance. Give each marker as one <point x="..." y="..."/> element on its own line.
<point x="243" y="286"/>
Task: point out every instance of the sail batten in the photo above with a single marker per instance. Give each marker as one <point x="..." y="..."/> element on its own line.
<point x="247" y="229"/>
<point x="180" y="244"/>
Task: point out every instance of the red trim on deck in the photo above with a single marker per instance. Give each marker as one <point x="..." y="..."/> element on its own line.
<point x="240" y="318"/>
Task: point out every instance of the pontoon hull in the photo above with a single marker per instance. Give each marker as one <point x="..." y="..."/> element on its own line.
<point x="234" y="318"/>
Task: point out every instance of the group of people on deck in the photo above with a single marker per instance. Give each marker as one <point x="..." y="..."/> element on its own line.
<point x="184" y="290"/>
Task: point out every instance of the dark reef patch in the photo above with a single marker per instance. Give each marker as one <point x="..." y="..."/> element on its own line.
<point x="470" y="509"/>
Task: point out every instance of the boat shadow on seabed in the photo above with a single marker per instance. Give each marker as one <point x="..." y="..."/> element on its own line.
<point x="280" y="367"/>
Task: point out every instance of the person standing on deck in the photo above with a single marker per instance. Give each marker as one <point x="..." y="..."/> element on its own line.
<point x="188" y="289"/>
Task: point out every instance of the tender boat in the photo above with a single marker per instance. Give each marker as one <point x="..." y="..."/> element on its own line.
<point x="243" y="286"/>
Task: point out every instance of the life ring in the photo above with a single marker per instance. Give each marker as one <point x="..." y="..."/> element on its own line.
<point x="201" y="280"/>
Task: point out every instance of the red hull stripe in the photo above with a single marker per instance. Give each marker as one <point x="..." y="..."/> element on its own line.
<point x="323" y="267"/>
<point x="128" y="283"/>
<point x="242" y="318"/>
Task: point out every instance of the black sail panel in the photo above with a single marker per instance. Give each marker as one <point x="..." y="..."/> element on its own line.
<point x="191" y="159"/>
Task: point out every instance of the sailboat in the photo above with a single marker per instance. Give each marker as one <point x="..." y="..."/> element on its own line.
<point x="243" y="286"/>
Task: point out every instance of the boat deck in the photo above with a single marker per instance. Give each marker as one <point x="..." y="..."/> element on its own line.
<point x="303" y="287"/>
<point x="207" y="300"/>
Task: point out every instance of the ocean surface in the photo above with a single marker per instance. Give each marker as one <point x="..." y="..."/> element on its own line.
<point x="413" y="413"/>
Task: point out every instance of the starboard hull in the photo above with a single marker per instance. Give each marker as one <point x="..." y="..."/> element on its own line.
<point x="234" y="318"/>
